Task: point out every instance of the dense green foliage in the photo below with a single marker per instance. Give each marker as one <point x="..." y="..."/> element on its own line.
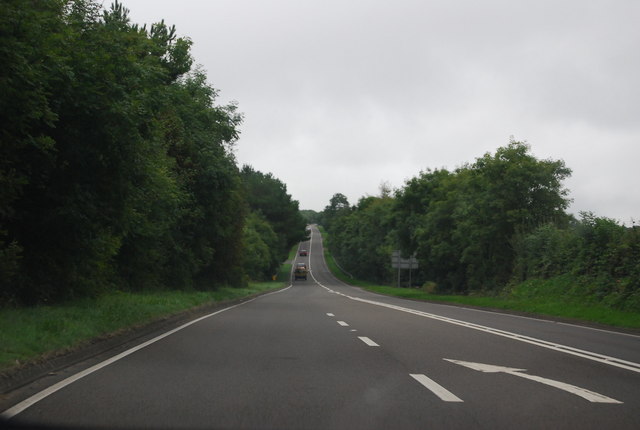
<point x="337" y="208"/>
<point x="116" y="164"/>
<point x="361" y="239"/>
<point x="600" y="257"/>
<point x="267" y="196"/>
<point x="559" y="296"/>
<point x="462" y="224"/>
<point x="275" y="224"/>
<point x="310" y="216"/>
<point x="485" y="226"/>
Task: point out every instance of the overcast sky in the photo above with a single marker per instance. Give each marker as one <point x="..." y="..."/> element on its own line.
<point x="343" y="95"/>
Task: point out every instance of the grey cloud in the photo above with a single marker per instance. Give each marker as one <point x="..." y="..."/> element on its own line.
<point x="378" y="90"/>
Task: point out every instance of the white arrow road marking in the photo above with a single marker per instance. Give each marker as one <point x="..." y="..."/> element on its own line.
<point x="489" y="368"/>
<point x="600" y="358"/>
<point x="436" y="388"/>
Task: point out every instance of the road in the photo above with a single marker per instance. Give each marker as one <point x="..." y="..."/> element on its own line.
<point x="322" y="354"/>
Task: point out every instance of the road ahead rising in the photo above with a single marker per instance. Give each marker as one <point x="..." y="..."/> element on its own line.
<point x="322" y="354"/>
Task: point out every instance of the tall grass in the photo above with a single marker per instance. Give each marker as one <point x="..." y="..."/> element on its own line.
<point x="30" y="333"/>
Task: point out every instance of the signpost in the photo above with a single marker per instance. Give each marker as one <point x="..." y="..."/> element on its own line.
<point x="397" y="262"/>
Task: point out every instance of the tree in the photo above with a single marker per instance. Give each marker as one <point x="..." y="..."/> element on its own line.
<point x="267" y="196"/>
<point x="115" y="163"/>
<point x="338" y="206"/>
<point x="29" y="51"/>
<point x="504" y="195"/>
<point x="261" y="248"/>
<point x="209" y="229"/>
<point x="425" y="226"/>
<point x="361" y="237"/>
<point x="310" y="216"/>
<point x="464" y="224"/>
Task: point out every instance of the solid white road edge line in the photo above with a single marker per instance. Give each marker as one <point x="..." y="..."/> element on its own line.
<point x="546" y="321"/>
<point x="16" y="409"/>
<point x="367" y="341"/>
<point x="598" y="329"/>
<point x="436" y="388"/>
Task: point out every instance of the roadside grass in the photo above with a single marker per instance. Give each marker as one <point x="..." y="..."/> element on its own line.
<point x="554" y="297"/>
<point x="557" y="306"/>
<point x="28" y="334"/>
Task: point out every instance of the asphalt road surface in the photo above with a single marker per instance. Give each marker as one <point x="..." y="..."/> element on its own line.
<point x="321" y="354"/>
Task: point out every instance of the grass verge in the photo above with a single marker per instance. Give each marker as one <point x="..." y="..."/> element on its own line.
<point x="550" y="297"/>
<point x="557" y="306"/>
<point x="28" y="334"/>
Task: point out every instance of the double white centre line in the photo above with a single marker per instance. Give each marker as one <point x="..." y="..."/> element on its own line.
<point x="593" y="356"/>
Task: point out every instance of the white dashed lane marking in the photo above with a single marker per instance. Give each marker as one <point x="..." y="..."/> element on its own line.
<point x="436" y="388"/>
<point x="367" y="341"/>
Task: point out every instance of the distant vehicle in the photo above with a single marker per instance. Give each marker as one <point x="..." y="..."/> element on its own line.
<point x="300" y="272"/>
<point x="303" y="253"/>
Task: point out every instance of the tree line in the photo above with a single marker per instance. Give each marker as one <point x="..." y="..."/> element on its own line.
<point x="116" y="164"/>
<point x="484" y="227"/>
